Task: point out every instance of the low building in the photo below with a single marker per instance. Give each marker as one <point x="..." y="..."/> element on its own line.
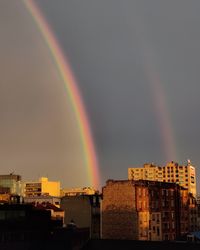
<point x="84" y="211"/>
<point x="43" y="199"/>
<point x="77" y="191"/>
<point x="57" y="214"/>
<point x="24" y="226"/>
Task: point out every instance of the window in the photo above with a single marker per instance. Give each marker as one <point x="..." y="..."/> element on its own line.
<point x="158" y="231"/>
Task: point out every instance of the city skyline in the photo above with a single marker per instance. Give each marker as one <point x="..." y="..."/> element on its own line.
<point x="136" y="64"/>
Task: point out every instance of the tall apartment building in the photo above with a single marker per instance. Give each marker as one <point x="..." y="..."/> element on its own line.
<point x="146" y="210"/>
<point x="42" y="187"/>
<point x="149" y="172"/>
<point x="185" y="176"/>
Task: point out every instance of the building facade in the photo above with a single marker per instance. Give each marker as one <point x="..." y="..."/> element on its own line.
<point x="119" y="217"/>
<point x="11" y="184"/>
<point x="77" y="191"/>
<point x="43" y="199"/>
<point x="185" y="176"/>
<point x="41" y="188"/>
<point x="146" y="210"/>
<point x="84" y="211"/>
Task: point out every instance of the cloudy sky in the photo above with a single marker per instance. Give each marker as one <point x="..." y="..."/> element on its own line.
<point x="137" y="66"/>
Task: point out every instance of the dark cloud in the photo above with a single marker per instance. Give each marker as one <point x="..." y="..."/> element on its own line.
<point x="109" y="45"/>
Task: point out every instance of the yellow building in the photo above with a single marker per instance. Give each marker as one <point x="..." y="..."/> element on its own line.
<point x="42" y="187"/>
<point x="185" y="176"/>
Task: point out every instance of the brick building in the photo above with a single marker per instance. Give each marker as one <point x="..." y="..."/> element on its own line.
<point x="119" y="218"/>
<point x="146" y="210"/>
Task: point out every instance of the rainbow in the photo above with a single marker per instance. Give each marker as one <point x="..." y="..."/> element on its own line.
<point x="72" y="91"/>
<point x="162" y="112"/>
<point x="158" y="93"/>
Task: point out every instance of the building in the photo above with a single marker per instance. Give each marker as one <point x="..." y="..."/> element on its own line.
<point x="11" y="184"/>
<point x="84" y="211"/>
<point x="77" y="191"/>
<point x="146" y="210"/>
<point x="185" y="176"/>
<point x="42" y="187"/>
<point x="43" y="199"/>
<point x="57" y="214"/>
<point x="24" y="226"/>
<point x="149" y="172"/>
<point x="119" y="217"/>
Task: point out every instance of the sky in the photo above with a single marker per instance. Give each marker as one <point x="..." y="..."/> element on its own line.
<point x="137" y="67"/>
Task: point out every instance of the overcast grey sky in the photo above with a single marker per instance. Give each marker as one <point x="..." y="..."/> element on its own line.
<point x="111" y="45"/>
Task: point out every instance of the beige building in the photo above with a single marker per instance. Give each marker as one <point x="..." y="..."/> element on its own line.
<point x="149" y="172"/>
<point x="185" y="176"/>
<point x="77" y="191"/>
<point x="42" y="187"/>
<point x="84" y="211"/>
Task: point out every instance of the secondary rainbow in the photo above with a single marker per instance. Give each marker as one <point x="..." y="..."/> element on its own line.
<point x="72" y="91"/>
<point x="158" y="93"/>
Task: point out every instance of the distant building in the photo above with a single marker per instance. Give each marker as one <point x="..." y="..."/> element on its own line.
<point x="41" y="188"/>
<point x="185" y="176"/>
<point x="11" y="184"/>
<point x="146" y="210"/>
<point x="84" y="211"/>
<point x="77" y="191"/>
<point x="43" y="199"/>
